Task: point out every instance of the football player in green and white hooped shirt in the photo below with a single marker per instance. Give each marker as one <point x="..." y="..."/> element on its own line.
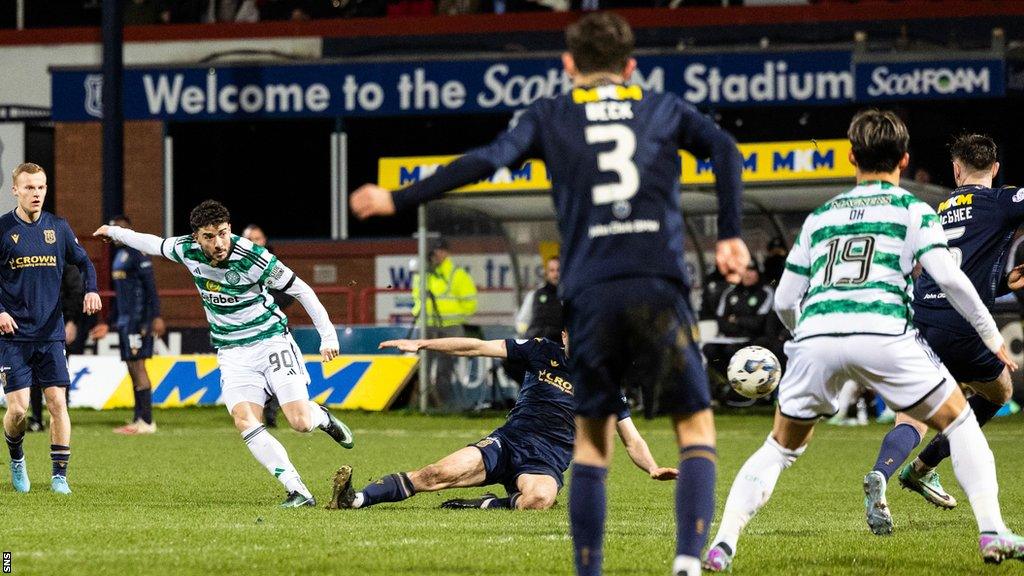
<point x="257" y="355"/>
<point x="846" y="297"/>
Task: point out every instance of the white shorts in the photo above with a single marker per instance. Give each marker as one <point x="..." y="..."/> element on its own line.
<point x="253" y="372"/>
<point x="903" y="370"/>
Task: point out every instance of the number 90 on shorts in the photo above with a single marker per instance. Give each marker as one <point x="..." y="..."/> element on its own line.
<point x="252" y="372"/>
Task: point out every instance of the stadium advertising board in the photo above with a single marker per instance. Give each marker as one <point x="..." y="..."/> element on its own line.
<point x="762" y="162"/>
<point x="352" y="382"/>
<point x="930" y="79"/>
<point x="492" y="274"/>
<point x="501" y="84"/>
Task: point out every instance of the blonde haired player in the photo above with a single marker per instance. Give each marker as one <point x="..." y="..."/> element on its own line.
<point x="257" y="355"/>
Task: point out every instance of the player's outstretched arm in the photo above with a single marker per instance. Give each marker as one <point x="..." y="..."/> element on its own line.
<point x="962" y="296"/>
<point x="77" y="255"/>
<point x="512" y="146"/>
<point x="1015" y="279"/>
<point x="453" y="346"/>
<point x="145" y="243"/>
<point x="640" y="453"/>
<point x="286" y="281"/>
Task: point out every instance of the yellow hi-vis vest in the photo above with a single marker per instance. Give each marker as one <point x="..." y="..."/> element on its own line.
<point x="452" y="297"/>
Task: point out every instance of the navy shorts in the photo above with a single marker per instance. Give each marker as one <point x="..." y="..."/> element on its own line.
<point x="25" y="363"/>
<point x="965" y="355"/>
<point x="134" y="345"/>
<point x="509" y="452"/>
<point x="636" y="333"/>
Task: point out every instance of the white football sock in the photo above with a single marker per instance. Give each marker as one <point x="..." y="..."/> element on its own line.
<point x="359" y="500"/>
<point x="975" y="469"/>
<point x="272" y="455"/>
<point x="686" y="566"/>
<point x="752" y="487"/>
<point x="317" y="416"/>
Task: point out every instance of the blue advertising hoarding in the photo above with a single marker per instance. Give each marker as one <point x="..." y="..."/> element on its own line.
<point x="433" y="87"/>
<point x="921" y="80"/>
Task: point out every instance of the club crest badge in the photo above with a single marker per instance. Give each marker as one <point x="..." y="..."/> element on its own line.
<point x="50" y="236"/>
<point x="94" y="95"/>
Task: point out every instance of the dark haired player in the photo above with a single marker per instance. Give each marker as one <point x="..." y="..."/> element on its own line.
<point x="612" y="152"/>
<point x="844" y="296"/>
<point x="34" y="245"/>
<point x="256" y="353"/>
<point x="979" y="222"/>
<point x="528" y="455"/>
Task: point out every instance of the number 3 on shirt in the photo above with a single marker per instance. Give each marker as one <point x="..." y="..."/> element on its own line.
<point x="618" y="160"/>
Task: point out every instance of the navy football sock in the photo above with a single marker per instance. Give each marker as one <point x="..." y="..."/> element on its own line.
<point x="391" y="488"/>
<point x="60" y="455"/>
<point x="695" y="498"/>
<point x="938" y="449"/>
<point x="144" y="405"/>
<point x="587" y="507"/>
<point x="897" y="445"/>
<point x="135" y="413"/>
<point x="507" y="503"/>
<point x="14" y="445"/>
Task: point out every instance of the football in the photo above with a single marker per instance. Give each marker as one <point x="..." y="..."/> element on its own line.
<point x="754" y="372"/>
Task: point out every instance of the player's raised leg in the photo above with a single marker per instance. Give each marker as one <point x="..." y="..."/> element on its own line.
<point x="462" y="468"/>
<point x="920" y="475"/>
<point x="896" y="446"/>
<point x="15" y="424"/>
<point x="60" y="437"/>
<point x="532" y="492"/>
<point x="306" y="416"/>
<point x="754" y="484"/>
<point x="975" y="469"/>
<point x="269" y="452"/>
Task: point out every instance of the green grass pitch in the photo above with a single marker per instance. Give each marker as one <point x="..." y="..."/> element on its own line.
<point x="191" y="500"/>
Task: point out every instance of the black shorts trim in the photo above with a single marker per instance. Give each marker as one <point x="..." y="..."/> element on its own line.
<point x="289" y="283"/>
<point x="923" y="398"/>
<point x="809" y="419"/>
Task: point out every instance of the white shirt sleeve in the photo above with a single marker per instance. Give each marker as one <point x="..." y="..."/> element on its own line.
<point x="525" y="315"/>
<point x="282" y="278"/>
<point x="146" y="243"/>
<point x="962" y="296"/>
<point x="795" y="281"/>
<point x="924" y="232"/>
<point x="788" y="296"/>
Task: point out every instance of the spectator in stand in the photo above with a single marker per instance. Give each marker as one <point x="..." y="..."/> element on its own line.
<point x="775" y="261"/>
<point x="141" y="12"/>
<point x="744" y="314"/>
<point x="181" y="11"/>
<point x="540" y="316"/>
<point x="711" y="292"/>
<point x="451" y="302"/>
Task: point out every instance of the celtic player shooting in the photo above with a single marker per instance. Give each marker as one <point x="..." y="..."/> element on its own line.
<point x="256" y="353"/>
